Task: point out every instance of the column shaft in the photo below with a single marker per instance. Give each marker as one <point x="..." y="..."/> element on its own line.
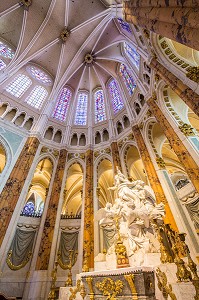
<point x="175" y="22"/>
<point x="48" y="232"/>
<point x="88" y="243"/>
<point x="181" y="151"/>
<point x="14" y="185"/>
<point x="116" y="157"/>
<point x="182" y="90"/>
<point x="152" y="175"/>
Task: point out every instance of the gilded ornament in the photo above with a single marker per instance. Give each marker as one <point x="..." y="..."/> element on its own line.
<point x="25" y="3"/>
<point x="110" y="288"/>
<point x="193" y="74"/>
<point x="44" y="150"/>
<point x="160" y="162"/>
<point x="89" y="280"/>
<point x="157" y="78"/>
<point x="88" y="59"/>
<point x="163" y="285"/>
<point x="130" y="279"/>
<point x="18" y="267"/>
<point x="64" y="34"/>
<point x="164" y="45"/>
<point x="154" y="96"/>
<point x="186" y="129"/>
<point x="75" y="290"/>
<point x="52" y="293"/>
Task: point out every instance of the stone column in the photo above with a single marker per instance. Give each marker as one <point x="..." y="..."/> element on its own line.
<point x="181" y="151"/>
<point x="48" y="232"/>
<point x="172" y="20"/>
<point x="116" y="157"/>
<point x="152" y="175"/>
<point x="14" y="185"/>
<point x="181" y="89"/>
<point x="88" y="242"/>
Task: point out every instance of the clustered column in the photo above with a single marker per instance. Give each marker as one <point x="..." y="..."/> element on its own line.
<point x="177" y="20"/>
<point x="116" y="157"/>
<point x="181" y="89"/>
<point x="48" y="232"/>
<point x="15" y="184"/>
<point x="88" y="242"/>
<point x="152" y="175"/>
<point x="181" y="151"/>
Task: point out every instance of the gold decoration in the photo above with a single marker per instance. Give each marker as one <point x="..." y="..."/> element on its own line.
<point x="85" y="267"/>
<point x="25" y="3"/>
<point x="64" y="34"/>
<point x="44" y="150"/>
<point x="160" y="162"/>
<point x="110" y="288"/>
<point x="52" y="293"/>
<point x="154" y="96"/>
<point x="187" y="129"/>
<point x="193" y="74"/>
<point x="163" y="285"/>
<point x="75" y="290"/>
<point x="120" y="249"/>
<point x="83" y="291"/>
<point x="141" y="125"/>
<point x="88" y="58"/>
<point x="89" y="280"/>
<point x="157" y="78"/>
<point x="130" y="279"/>
<point x="72" y="260"/>
<point x="82" y="156"/>
<point x="13" y="267"/>
<point x="55" y="153"/>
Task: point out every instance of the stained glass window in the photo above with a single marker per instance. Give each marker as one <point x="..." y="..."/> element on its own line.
<point x="37" y="96"/>
<point x="2" y="64"/>
<point x="125" y="25"/>
<point x="29" y="209"/>
<point x="132" y="54"/>
<point x="115" y="96"/>
<point x="100" y="114"/>
<point x="39" y="75"/>
<point x="19" y="85"/>
<point x="127" y="78"/>
<point x="61" y="108"/>
<point x="81" y="111"/>
<point x="6" y="51"/>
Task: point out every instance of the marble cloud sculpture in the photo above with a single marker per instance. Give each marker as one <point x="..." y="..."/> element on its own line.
<point x="135" y="207"/>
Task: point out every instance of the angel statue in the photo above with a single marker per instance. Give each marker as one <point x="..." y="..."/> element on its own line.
<point x="135" y="207"/>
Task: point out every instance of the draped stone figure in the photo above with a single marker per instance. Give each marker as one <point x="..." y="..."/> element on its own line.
<point x="135" y="208"/>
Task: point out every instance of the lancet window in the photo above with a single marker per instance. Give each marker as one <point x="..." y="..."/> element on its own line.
<point x="62" y="105"/>
<point x="81" y="111"/>
<point x="132" y="54"/>
<point x="19" y="85"/>
<point x="37" y="97"/>
<point x="117" y="102"/>
<point x="100" y="113"/>
<point x="127" y="78"/>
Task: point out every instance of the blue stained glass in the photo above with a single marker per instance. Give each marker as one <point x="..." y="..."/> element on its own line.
<point x="132" y="54"/>
<point x="100" y="114"/>
<point x="61" y="108"/>
<point x="6" y="51"/>
<point x="28" y="209"/>
<point x="19" y="85"/>
<point x="124" y="25"/>
<point x="81" y="111"/>
<point x="2" y="64"/>
<point x="127" y="78"/>
<point x="115" y="96"/>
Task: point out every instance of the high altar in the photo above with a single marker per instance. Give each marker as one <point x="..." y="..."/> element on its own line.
<point x="147" y="260"/>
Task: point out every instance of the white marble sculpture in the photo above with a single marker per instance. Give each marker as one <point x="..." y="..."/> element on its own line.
<point x="135" y="207"/>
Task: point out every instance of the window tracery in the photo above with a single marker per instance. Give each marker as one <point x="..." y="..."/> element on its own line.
<point x="19" y="85"/>
<point x="39" y="75"/>
<point x="37" y="97"/>
<point x="117" y="102"/>
<point x="127" y="78"/>
<point x="81" y="111"/>
<point x="132" y="54"/>
<point x="62" y="105"/>
<point x="6" y="51"/>
<point x="100" y="113"/>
